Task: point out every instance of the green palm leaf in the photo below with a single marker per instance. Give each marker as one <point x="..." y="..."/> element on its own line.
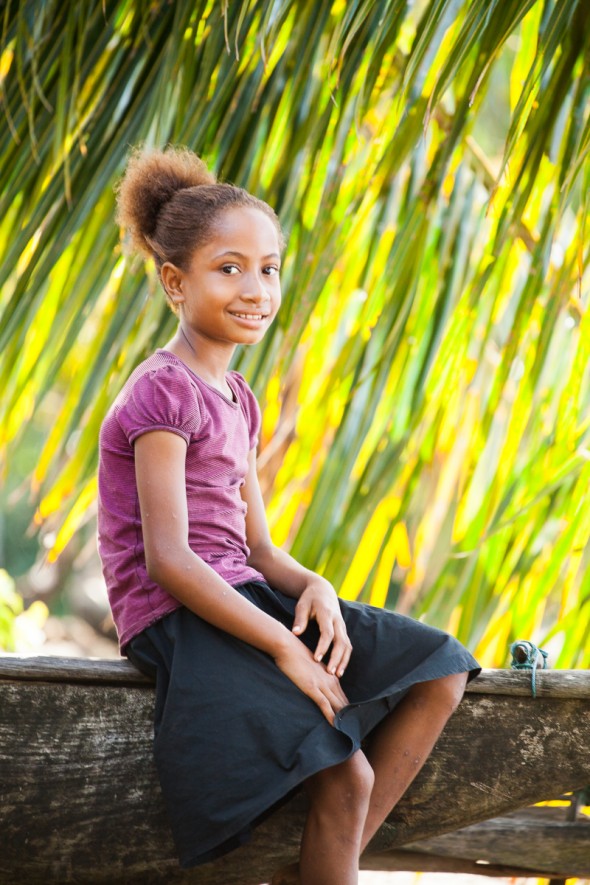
<point x="426" y="385"/>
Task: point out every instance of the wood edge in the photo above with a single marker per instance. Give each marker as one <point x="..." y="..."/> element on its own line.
<point x="549" y="683"/>
<point x="45" y="668"/>
<point x="398" y="860"/>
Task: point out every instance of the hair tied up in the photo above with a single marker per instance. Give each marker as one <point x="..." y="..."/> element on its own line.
<point x="152" y="179"/>
<point x="169" y="204"/>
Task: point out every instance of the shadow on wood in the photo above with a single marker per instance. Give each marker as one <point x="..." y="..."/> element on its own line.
<point x="537" y="841"/>
<point x="80" y="800"/>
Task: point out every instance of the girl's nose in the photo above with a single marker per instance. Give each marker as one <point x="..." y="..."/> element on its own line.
<point x="254" y="291"/>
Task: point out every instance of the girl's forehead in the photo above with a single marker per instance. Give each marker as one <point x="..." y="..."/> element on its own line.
<point x="245" y="226"/>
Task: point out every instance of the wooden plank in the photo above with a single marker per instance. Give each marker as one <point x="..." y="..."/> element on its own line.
<point x="524" y="839"/>
<point x="79" y="799"/>
<point x="414" y="861"/>
<point x="71" y="670"/>
<point x="516" y="683"/>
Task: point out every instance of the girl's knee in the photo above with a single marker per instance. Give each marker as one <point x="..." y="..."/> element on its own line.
<point x="355" y="779"/>
<point x="445" y="692"/>
<point x="454" y="689"/>
<point x="362" y="776"/>
<point x="346" y="787"/>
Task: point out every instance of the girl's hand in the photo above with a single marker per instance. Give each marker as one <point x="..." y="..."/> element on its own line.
<point x="297" y="662"/>
<point x="320" y="602"/>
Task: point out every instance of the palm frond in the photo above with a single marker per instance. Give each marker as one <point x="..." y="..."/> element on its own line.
<point x="426" y="384"/>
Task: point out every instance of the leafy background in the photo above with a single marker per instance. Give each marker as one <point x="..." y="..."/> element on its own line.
<point x="425" y="388"/>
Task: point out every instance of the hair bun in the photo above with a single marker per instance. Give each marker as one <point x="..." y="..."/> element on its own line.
<point x="151" y="180"/>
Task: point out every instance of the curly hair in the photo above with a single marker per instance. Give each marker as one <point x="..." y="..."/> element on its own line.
<point x="168" y="202"/>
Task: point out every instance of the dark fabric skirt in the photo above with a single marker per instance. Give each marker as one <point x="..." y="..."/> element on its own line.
<point x="234" y="736"/>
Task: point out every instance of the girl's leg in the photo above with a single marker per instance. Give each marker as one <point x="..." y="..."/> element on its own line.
<point x="398" y="748"/>
<point x="330" y="847"/>
<point x="400" y="745"/>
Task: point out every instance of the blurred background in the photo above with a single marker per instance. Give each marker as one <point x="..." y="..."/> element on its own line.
<point x="425" y="387"/>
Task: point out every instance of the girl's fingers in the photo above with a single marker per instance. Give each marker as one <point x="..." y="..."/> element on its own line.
<point x="340" y="656"/>
<point x="330" y="700"/>
<point x="337" y="698"/>
<point x="297" y="663"/>
<point x="329" y="696"/>
<point x="301" y="620"/>
<point x="326" y="707"/>
<point x="326" y="639"/>
<point x="341" y="651"/>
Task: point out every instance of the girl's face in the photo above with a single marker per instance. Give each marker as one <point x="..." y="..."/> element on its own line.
<point x="231" y="291"/>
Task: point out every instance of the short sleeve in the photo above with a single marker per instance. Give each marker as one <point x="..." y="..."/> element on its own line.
<point x="160" y="399"/>
<point x="250" y="407"/>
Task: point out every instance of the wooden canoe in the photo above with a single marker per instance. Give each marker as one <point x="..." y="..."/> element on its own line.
<point x="79" y="799"/>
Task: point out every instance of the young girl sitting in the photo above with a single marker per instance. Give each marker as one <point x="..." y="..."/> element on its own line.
<point x="265" y="680"/>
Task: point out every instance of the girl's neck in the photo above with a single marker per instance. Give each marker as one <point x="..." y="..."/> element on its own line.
<point x="208" y="362"/>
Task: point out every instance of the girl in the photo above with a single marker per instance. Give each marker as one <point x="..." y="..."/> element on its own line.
<point x="265" y="681"/>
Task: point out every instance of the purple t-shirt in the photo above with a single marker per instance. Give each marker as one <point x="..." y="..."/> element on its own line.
<point x="164" y="394"/>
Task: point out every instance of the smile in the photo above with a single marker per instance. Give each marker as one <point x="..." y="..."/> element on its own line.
<point x="250" y="316"/>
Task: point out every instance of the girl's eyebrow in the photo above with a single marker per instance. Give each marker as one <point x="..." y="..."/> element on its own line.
<point x="241" y="255"/>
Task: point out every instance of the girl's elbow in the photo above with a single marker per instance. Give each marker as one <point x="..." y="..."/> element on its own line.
<point x="260" y="554"/>
<point x="159" y="565"/>
<point x="154" y="569"/>
<point x="163" y="562"/>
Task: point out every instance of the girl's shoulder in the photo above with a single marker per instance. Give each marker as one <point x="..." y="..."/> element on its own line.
<point x="162" y="375"/>
<point x="159" y="394"/>
<point x="163" y="363"/>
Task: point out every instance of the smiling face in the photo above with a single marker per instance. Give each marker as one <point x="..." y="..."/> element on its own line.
<point x="231" y="291"/>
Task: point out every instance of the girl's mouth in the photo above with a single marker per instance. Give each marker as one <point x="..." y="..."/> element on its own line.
<point x="254" y="317"/>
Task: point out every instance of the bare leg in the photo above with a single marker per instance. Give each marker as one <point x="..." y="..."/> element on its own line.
<point x="401" y="744"/>
<point x="330" y="847"/>
<point x="340" y="804"/>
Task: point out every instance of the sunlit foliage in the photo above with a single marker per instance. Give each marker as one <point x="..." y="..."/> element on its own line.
<point x="426" y="390"/>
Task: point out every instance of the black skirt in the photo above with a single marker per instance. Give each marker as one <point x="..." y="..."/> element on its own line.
<point x="234" y="736"/>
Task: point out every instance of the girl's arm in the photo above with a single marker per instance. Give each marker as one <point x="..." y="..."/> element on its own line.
<point x="160" y="473"/>
<point x="317" y="598"/>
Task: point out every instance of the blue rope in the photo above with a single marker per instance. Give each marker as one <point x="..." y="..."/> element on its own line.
<point x="525" y="656"/>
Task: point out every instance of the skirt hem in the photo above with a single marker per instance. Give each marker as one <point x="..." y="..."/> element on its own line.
<point x="290" y="786"/>
<point x="235" y="738"/>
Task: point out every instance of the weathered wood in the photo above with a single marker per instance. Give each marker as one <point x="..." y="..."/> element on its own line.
<point x="517" y="683"/>
<point x="71" y="670"/>
<point x="415" y="861"/>
<point x="79" y="800"/>
<point x="545" y="842"/>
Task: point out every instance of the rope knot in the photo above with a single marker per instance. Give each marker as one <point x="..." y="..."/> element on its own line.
<point x="526" y="656"/>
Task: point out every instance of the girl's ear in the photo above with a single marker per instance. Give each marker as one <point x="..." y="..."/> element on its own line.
<point x="172" y="280"/>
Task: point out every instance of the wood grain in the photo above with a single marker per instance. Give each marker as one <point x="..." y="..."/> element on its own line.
<point x="71" y="670"/>
<point x="517" y="683"/>
<point x="80" y="802"/>
<point x="546" y="843"/>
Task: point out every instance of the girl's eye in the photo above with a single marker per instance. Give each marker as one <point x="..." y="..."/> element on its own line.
<point x="232" y="269"/>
